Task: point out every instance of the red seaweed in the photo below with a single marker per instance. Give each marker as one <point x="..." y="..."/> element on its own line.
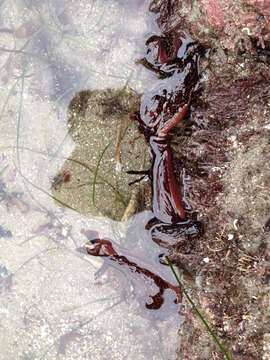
<point x="60" y="179"/>
<point x="104" y="247"/>
<point x="161" y="110"/>
<point x="175" y="58"/>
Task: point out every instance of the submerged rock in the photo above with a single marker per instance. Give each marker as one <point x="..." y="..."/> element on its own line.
<point x="92" y="116"/>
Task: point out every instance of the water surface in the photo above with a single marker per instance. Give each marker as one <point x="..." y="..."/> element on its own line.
<point x="52" y="305"/>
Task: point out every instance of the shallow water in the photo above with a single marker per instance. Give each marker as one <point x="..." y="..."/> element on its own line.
<point x="52" y="305"/>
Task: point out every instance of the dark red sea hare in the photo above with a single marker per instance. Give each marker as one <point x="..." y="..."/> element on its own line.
<point x="175" y="58"/>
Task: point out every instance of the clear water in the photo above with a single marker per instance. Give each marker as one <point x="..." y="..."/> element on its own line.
<point x="51" y="304"/>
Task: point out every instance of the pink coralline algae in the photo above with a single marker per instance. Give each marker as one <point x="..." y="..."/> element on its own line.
<point x="213" y="11"/>
<point x="239" y="21"/>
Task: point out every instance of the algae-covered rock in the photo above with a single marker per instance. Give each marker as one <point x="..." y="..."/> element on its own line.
<point x="107" y="145"/>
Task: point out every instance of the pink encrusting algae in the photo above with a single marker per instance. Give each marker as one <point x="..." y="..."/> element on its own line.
<point x="239" y="21"/>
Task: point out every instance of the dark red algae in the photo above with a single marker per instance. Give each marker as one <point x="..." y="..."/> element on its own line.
<point x="174" y="57"/>
<point x="61" y="179"/>
<point x="162" y="109"/>
<point x="103" y="247"/>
